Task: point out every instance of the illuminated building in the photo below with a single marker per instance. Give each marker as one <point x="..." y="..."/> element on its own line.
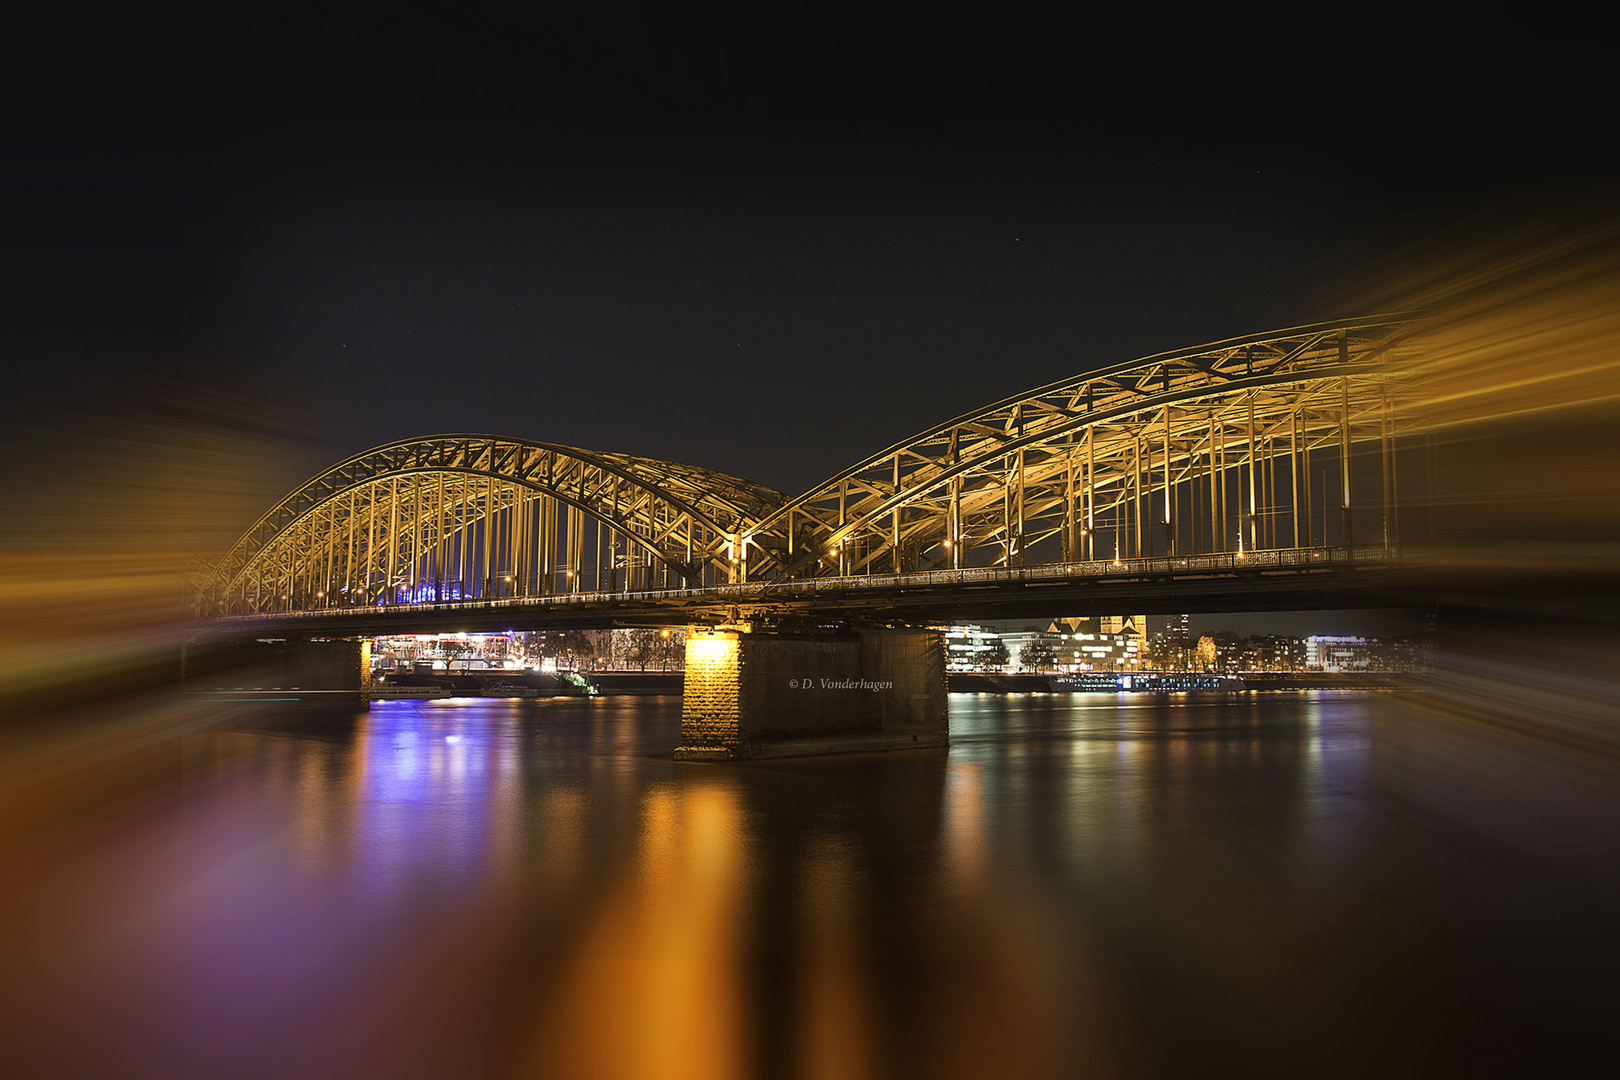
<point x="964" y="645"/>
<point x="1336" y="653"/>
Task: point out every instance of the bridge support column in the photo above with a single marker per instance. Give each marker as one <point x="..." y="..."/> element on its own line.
<point x="759" y="694"/>
<point x="305" y="673"/>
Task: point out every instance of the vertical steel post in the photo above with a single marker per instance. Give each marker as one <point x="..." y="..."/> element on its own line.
<point x="1293" y="470"/>
<point x="1304" y="476"/>
<point x="1144" y="492"/>
<point x="1169" y="505"/>
<point x="1091" y="494"/>
<point x="509" y="541"/>
<point x="348" y="548"/>
<point x="843" y="501"/>
<point x="416" y="536"/>
<point x="1071" y="531"/>
<point x="466" y="535"/>
<point x="371" y="541"/>
<point x="1344" y="464"/>
<point x="514" y="540"/>
<point x="1220" y="457"/>
<point x="526" y="536"/>
<point x="1268" y="490"/>
<point x="332" y="541"/>
<point x="392" y="568"/>
<point x="576" y="550"/>
<point x="1252" y="502"/>
<point x="552" y="543"/>
<point x="486" y="523"/>
<point x="1135" y="536"/>
<point x="438" y="542"/>
<point x="1214" y="509"/>
<point x="894" y="538"/>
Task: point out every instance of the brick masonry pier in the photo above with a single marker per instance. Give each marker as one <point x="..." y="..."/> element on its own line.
<point x="758" y="694"/>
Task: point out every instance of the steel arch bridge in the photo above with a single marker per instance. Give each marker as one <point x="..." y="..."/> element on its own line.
<point x="456" y="517"/>
<point x="1289" y="444"/>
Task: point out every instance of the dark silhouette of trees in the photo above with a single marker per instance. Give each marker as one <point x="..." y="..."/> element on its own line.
<point x="1038" y="655"/>
<point x="994" y="658"/>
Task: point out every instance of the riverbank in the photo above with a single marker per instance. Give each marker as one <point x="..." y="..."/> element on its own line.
<point x="968" y="682"/>
<point x="971" y="682"/>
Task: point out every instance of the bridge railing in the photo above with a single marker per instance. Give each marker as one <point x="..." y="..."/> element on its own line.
<point x="756" y="592"/>
<point x="1155" y="566"/>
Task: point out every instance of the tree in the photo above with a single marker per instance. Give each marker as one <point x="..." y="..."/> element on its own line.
<point x="1206" y="653"/>
<point x="669" y="649"/>
<point x="577" y="647"/>
<point x="569" y="648"/>
<point x="640" y="647"/>
<point x="994" y="657"/>
<point x="1037" y="655"/>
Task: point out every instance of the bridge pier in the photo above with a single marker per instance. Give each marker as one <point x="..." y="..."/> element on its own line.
<point x="321" y="673"/>
<point x="759" y="694"/>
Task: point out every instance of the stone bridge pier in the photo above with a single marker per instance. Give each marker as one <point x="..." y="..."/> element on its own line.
<point x="754" y="693"/>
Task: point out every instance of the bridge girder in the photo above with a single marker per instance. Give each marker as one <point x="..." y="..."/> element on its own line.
<point x="477" y="515"/>
<point x="1080" y="468"/>
<point x="1209" y="450"/>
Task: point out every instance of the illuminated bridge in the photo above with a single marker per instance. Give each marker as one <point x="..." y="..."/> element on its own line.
<point x="1285" y="470"/>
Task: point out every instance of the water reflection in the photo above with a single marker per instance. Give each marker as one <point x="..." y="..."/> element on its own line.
<point x="653" y="987"/>
<point x="835" y="1011"/>
<point x="1108" y="886"/>
<point x="437" y="790"/>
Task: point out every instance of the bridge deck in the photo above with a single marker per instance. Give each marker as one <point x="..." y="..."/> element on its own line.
<point x="1263" y="580"/>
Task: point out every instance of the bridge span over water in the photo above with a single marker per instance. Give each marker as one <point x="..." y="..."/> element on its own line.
<point x="1287" y="580"/>
<point x="1290" y="469"/>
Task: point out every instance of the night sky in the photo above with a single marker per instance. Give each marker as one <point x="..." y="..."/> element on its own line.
<point x="766" y="243"/>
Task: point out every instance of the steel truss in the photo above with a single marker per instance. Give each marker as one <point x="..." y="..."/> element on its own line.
<point x="480" y="517"/>
<point x="1298" y="439"/>
<point x="1208" y="450"/>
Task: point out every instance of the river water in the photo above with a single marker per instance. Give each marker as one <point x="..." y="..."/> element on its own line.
<point x="1313" y="883"/>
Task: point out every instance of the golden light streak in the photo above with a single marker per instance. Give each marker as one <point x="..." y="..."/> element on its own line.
<point x="654" y="988"/>
<point x="835" y="1037"/>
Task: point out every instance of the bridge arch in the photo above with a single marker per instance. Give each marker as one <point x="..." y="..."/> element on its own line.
<point x="477" y="516"/>
<point x="1209" y="449"/>
<point x="1299" y="438"/>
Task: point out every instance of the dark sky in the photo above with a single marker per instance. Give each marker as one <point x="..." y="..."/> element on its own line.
<point x="767" y="243"/>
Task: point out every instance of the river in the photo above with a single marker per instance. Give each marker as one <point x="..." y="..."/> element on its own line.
<point x="1308" y="883"/>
